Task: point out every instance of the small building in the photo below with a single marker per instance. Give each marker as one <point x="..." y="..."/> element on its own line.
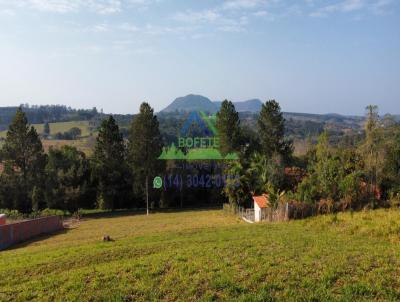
<point x="2" y="219"/>
<point x="260" y="203"/>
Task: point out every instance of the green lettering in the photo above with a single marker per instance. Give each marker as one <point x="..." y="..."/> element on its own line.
<point x="189" y="142"/>
<point x="216" y="142"/>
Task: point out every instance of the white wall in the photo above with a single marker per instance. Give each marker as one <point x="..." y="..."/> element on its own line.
<point x="257" y="212"/>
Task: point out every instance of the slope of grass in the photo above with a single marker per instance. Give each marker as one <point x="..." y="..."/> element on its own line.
<point x="207" y="256"/>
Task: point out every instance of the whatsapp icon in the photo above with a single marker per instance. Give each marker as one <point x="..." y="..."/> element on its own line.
<point x="157" y="182"/>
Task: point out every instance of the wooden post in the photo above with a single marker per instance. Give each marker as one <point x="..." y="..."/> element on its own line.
<point x="147" y="194"/>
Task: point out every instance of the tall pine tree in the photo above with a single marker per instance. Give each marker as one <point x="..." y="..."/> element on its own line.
<point x="271" y="126"/>
<point x="228" y="127"/>
<point x="372" y="149"/>
<point x="144" y="148"/>
<point x="24" y="162"/>
<point x="68" y="175"/>
<point x="109" y="169"/>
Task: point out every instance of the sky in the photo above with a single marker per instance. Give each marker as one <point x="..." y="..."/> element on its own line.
<point x="316" y="56"/>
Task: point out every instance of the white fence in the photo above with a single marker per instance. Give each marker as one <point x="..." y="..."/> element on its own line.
<point x="281" y="213"/>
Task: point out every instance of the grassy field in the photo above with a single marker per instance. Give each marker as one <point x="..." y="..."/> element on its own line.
<point x="208" y="256"/>
<point x="84" y="144"/>
<point x="59" y="127"/>
<point x="65" y="126"/>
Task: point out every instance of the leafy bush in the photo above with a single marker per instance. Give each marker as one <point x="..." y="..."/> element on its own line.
<point x="12" y="214"/>
<point x="350" y="190"/>
<point x="394" y="199"/>
<point x="16" y="215"/>
<point x="52" y="212"/>
<point x="307" y="190"/>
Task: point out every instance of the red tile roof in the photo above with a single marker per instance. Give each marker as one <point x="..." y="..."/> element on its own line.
<point x="261" y="201"/>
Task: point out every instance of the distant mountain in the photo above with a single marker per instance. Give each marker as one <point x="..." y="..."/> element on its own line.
<point x="253" y="105"/>
<point x="191" y="102"/>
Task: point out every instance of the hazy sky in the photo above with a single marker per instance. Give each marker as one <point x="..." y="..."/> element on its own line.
<point x="311" y="55"/>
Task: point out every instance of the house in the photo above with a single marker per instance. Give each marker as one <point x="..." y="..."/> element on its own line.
<point x="260" y="203"/>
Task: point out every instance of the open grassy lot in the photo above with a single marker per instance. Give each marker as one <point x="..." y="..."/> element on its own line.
<point x="65" y="126"/>
<point x="59" y="127"/>
<point x="207" y="256"/>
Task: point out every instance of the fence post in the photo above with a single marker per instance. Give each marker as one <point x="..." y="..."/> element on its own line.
<point x="287" y="211"/>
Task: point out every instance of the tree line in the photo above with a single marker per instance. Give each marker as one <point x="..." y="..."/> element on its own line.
<point x="46" y="113"/>
<point x="67" y="179"/>
<point x="347" y="175"/>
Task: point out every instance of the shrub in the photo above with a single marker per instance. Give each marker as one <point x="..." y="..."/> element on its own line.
<point x="12" y="214"/>
<point x="350" y="190"/>
<point x="326" y="206"/>
<point x="307" y="190"/>
<point x="16" y="215"/>
<point x="394" y="199"/>
<point x="51" y="212"/>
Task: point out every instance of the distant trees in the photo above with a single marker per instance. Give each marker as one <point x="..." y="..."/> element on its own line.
<point x="71" y="134"/>
<point x="47" y="113"/>
<point x="228" y="127"/>
<point x="109" y="165"/>
<point x="75" y="132"/>
<point x="144" y="148"/>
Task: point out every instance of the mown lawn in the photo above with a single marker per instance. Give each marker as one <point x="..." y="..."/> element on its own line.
<point x="207" y="256"/>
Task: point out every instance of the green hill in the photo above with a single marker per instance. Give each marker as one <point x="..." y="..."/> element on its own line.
<point x="191" y="102"/>
<point x="209" y="256"/>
